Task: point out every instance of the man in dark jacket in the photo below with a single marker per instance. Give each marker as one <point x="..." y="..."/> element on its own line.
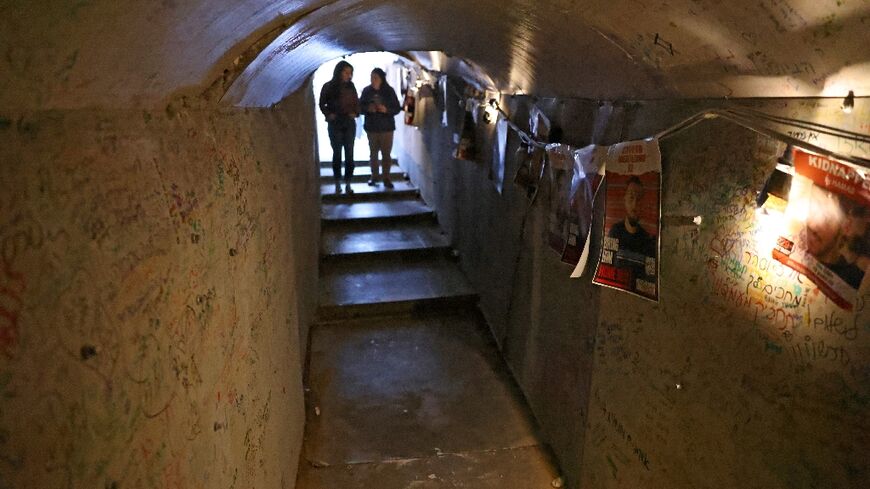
<point x="636" y="245"/>
<point x="340" y="104"/>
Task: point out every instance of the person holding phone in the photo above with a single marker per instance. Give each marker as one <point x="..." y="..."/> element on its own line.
<point x="380" y="105"/>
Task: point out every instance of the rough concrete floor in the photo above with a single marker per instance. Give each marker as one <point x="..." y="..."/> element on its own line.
<point x="419" y="400"/>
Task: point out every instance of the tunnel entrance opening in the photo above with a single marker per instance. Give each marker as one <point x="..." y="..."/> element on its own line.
<point x="363" y="64"/>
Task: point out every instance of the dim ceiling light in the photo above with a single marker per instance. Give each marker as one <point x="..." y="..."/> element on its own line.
<point x="849" y="102"/>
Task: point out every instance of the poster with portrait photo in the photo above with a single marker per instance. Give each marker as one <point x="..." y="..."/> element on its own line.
<point x="629" y="258"/>
<point x="575" y="176"/>
<point x="826" y="235"/>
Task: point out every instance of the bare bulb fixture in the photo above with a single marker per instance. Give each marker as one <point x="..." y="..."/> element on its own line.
<point x="490" y="112"/>
<point x="778" y="183"/>
<point x="849" y="102"/>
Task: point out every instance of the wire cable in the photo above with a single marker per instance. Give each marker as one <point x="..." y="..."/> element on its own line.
<point x="746" y="118"/>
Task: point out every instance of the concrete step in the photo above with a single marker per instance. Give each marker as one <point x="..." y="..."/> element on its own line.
<point x="362" y="174"/>
<point x="364" y="192"/>
<point x="372" y="212"/>
<point x="512" y="468"/>
<point x="392" y="400"/>
<point x="358" y="163"/>
<point x="343" y="240"/>
<point x="388" y="285"/>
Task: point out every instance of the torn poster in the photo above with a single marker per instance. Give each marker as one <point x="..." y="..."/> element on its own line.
<point x="539" y="124"/>
<point x="499" y="153"/>
<point x="588" y="175"/>
<point x="466" y="148"/>
<point x="561" y="159"/>
<point x="442" y="85"/>
<point x="826" y="234"/>
<point x="632" y="215"/>
<point x="531" y="168"/>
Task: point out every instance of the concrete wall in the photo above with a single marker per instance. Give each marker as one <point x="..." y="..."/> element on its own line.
<point x="768" y="400"/>
<point x="156" y="283"/>
<point x="121" y="53"/>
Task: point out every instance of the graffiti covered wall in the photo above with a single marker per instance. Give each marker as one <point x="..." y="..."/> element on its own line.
<point x="151" y="307"/>
<point x="743" y="375"/>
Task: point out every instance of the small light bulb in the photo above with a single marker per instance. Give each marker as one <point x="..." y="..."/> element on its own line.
<point x="849" y="102"/>
<point x="697" y="220"/>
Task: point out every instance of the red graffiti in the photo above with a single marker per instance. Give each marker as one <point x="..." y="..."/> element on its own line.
<point x="12" y="285"/>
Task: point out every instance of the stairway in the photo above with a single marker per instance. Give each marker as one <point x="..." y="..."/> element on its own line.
<point x="405" y="386"/>
<point x="382" y="252"/>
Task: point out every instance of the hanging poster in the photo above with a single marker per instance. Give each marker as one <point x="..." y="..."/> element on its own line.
<point x="826" y="235"/>
<point x="539" y="124"/>
<point x="466" y="146"/>
<point x="442" y="85"/>
<point x="531" y="169"/>
<point x="561" y="159"/>
<point x="498" y="153"/>
<point x="424" y="102"/>
<point x="409" y="107"/>
<point x="630" y="249"/>
<point x="587" y="178"/>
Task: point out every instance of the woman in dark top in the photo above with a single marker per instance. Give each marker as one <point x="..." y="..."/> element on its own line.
<point x="380" y="103"/>
<point x="340" y="104"/>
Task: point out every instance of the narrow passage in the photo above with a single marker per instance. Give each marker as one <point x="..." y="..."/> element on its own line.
<point x="405" y="386"/>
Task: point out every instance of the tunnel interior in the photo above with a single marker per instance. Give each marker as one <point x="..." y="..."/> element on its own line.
<point x="160" y="223"/>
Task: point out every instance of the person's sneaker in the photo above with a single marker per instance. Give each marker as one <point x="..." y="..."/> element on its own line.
<point x="347" y="189"/>
<point x="372" y="182"/>
<point x="337" y="188"/>
<point x="388" y="183"/>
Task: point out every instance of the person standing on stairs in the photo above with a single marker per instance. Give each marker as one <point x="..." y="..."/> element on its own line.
<point x="340" y="104"/>
<point x="381" y="105"/>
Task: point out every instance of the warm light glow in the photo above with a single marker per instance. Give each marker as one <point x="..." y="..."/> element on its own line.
<point x="491" y="114"/>
<point x="491" y="107"/>
<point x="798" y="209"/>
<point x="769" y="225"/>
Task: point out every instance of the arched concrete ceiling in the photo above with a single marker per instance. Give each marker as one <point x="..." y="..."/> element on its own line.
<point x="58" y="53"/>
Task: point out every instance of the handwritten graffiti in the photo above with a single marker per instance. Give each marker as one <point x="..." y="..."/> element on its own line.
<point x="831" y="322"/>
<point x="182" y="204"/>
<point x="810" y="350"/>
<point x="620" y="429"/>
<point x="808" y="136"/>
<point x="764" y="65"/>
<point x="20" y="234"/>
<point x="12" y="285"/>
<point x="756" y="285"/>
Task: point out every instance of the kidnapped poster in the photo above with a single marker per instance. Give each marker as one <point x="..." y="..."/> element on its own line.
<point x="629" y="258"/>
